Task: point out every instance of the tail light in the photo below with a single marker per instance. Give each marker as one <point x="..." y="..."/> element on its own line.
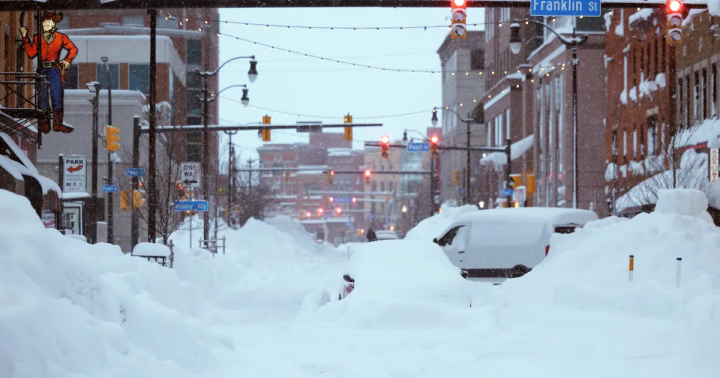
<point x="547" y="249"/>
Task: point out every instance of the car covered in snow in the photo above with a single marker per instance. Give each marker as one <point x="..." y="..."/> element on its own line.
<point x="400" y="268"/>
<point x="506" y="243"/>
<point x="386" y="235"/>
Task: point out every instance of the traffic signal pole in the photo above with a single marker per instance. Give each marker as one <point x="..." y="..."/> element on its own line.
<point x="110" y="235"/>
<point x="134" y="232"/>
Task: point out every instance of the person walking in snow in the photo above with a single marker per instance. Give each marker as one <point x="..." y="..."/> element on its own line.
<point x="371" y="235"/>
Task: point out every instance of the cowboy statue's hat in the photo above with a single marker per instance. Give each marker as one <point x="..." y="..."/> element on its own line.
<point x="56" y="17"/>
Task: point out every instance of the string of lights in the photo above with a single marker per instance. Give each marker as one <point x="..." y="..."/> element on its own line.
<point x="373" y="67"/>
<point x="210" y="22"/>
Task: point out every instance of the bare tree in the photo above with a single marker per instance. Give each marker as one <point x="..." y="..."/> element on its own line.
<point x="168" y="173"/>
<point x="690" y="173"/>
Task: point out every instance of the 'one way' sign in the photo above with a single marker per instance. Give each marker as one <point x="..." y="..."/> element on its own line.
<point x="190" y="174"/>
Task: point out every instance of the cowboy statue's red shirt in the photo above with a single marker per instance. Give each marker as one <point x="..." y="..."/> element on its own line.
<point x="51" y="52"/>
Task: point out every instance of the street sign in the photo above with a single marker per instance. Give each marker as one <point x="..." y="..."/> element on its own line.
<point x="342" y="199"/>
<point x="714" y="164"/>
<point x="134" y="172"/>
<point x="190" y="174"/>
<point x="520" y="194"/>
<point x="109" y="188"/>
<point x="191" y="206"/>
<point x="74" y="174"/>
<point x="462" y="191"/>
<point x="418" y="147"/>
<point x="554" y="8"/>
<point x="506" y="193"/>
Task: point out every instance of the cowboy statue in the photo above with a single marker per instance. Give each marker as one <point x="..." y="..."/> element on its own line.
<point x="52" y="68"/>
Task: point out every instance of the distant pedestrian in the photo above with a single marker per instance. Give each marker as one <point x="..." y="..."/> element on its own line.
<point x="371" y="235"/>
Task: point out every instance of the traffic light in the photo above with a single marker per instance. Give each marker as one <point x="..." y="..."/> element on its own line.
<point x="456" y="177"/>
<point x="181" y="191"/>
<point x="675" y="13"/>
<point x="331" y="176"/>
<point x="111" y="138"/>
<point x="320" y="211"/>
<point x="516" y="179"/>
<point x="458" y="17"/>
<point x="125" y="200"/>
<point x="287" y="175"/>
<point x="338" y="211"/>
<point x="367" y="176"/>
<point x="354" y="200"/>
<point x="348" y="134"/>
<point x="265" y="134"/>
<point x="385" y="145"/>
<point x="138" y="199"/>
<point x="266" y="120"/>
<point x="434" y="148"/>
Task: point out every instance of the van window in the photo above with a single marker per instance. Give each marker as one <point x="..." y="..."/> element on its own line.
<point x="449" y="236"/>
<point x="499" y="233"/>
<point x="565" y="229"/>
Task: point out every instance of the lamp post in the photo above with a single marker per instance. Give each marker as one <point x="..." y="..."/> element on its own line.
<point x="572" y="43"/>
<point x="110" y="235"/>
<point x="205" y="75"/>
<point x="467" y="121"/>
<point x="94" y="87"/>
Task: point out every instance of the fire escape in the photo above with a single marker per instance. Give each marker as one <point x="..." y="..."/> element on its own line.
<point x="20" y="100"/>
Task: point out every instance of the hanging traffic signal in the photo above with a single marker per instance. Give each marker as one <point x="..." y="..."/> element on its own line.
<point x="348" y="133"/>
<point x="675" y="13"/>
<point x="138" y="199"/>
<point x="338" y="210"/>
<point x="265" y="135"/>
<point x="354" y="200"/>
<point x="434" y="148"/>
<point x="458" y="29"/>
<point x="266" y="120"/>
<point x="112" y="138"/>
<point x="125" y="200"/>
<point x="367" y="176"/>
<point x="331" y="176"/>
<point x="456" y="177"/>
<point x="320" y="211"/>
<point x="385" y="145"/>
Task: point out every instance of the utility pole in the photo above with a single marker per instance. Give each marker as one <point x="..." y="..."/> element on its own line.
<point x="93" y="184"/>
<point x="134" y="232"/>
<point x="432" y="186"/>
<point x="204" y="159"/>
<point x="467" y="163"/>
<point x="110" y="235"/>
<point x="575" y="125"/>
<point x="152" y="188"/>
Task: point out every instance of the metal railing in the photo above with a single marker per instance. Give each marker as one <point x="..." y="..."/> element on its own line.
<point x="213" y="245"/>
<point x="20" y="99"/>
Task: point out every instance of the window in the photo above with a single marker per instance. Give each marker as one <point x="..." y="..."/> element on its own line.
<point x="489" y="134"/>
<point x="713" y="91"/>
<point x="477" y="60"/>
<point x="194" y="120"/>
<point x="662" y="55"/>
<point x="72" y="78"/>
<point x="651" y="136"/>
<point x="193" y="101"/>
<point x="139" y="78"/>
<point x="635" y="144"/>
<point x="681" y="107"/>
<point x="499" y="130"/>
<point x="193" y="80"/>
<point x="507" y="122"/>
<point x="614" y="145"/>
<point x="687" y="100"/>
<point x="541" y="146"/>
<point x="194" y="51"/>
<point x="655" y="57"/>
<point x="101" y="75"/>
<point x="662" y="138"/>
<point x="642" y="63"/>
<point x="696" y="107"/>
<point x="703" y="94"/>
<point x="133" y="20"/>
<point x="193" y="145"/>
<point x="625" y="149"/>
<point x="170" y="23"/>
<point x="558" y="113"/>
<point x="634" y="67"/>
<point x="447" y="239"/>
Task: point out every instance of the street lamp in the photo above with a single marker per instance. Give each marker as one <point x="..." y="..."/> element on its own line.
<point x="252" y="76"/>
<point x="572" y="43"/>
<point x="467" y="162"/>
<point x="94" y="88"/>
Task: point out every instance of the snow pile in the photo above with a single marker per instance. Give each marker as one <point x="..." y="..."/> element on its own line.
<point x="431" y="227"/>
<point x="588" y="271"/>
<point x="642" y="14"/>
<point x="395" y="281"/>
<point x="708" y="131"/>
<point x="151" y="249"/>
<point x="298" y="233"/>
<point x="73" y="309"/>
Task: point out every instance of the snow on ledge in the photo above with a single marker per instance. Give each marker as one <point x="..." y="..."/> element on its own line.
<point x="517" y="149"/>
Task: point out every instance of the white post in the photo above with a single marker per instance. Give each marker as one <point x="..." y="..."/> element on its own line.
<point x="632" y="260"/>
<point x="172" y="254"/>
<point x="677" y="275"/>
<point x="191" y="222"/>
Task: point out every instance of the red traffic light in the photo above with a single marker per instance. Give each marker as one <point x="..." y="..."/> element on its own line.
<point x="459" y="3"/>
<point x="354" y="200"/>
<point x="434" y="139"/>
<point x="675" y="6"/>
<point x="338" y="210"/>
<point x="320" y="210"/>
<point x="385" y="139"/>
<point x="367" y="173"/>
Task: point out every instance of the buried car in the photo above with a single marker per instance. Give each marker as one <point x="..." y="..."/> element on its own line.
<point x="402" y="269"/>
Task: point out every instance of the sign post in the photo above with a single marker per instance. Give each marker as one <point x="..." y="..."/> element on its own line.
<point x="74" y="176"/>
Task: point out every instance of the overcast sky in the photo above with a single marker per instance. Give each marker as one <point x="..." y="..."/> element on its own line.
<point x="296" y="84"/>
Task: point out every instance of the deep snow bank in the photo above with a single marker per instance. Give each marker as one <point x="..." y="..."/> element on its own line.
<point x="398" y="284"/>
<point x="70" y="309"/>
<point x="432" y="227"/>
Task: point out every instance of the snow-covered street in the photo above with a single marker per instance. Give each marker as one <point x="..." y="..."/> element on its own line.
<point x="69" y="309"/>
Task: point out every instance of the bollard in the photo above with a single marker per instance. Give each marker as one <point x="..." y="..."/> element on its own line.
<point x="172" y="254"/>
<point x="677" y="275"/>
<point x="632" y="260"/>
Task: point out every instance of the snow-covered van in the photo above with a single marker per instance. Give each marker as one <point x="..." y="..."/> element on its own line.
<point x="507" y="243"/>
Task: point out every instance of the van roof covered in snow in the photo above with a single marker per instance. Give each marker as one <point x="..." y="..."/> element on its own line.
<point x="555" y="215"/>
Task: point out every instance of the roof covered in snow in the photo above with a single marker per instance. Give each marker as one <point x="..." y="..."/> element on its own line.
<point x="555" y="215"/>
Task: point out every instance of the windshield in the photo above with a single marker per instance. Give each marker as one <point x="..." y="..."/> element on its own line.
<point x="184" y="184"/>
